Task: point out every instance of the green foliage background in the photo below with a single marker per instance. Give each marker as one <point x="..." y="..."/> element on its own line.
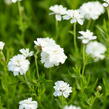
<point x="19" y="30"/>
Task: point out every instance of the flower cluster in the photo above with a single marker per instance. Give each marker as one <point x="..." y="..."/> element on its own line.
<point x="93" y="48"/>
<point x="2" y="44"/>
<point x="62" y="89"/>
<point x="62" y="13"/>
<point x="26" y="52"/>
<point x="106" y="3"/>
<point x="96" y="50"/>
<point x="59" y="11"/>
<point x="92" y="10"/>
<point x="19" y="64"/>
<point x="28" y="104"/>
<point x="86" y="36"/>
<point x="86" y="11"/>
<point x="74" y="16"/>
<point x="72" y="107"/>
<point x="51" y="53"/>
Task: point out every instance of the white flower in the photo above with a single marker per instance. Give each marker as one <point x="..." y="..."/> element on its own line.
<point x="28" y="104"/>
<point x="8" y="2"/>
<point x="2" y="44"/>
<point x="74" y="16"/>
<point x="14" y="1"/>
<point x="18" y="65"/>
<point x="44" y="43"/>
<point x="86" y="36"/>
<point x="53" y="56"/>
<point x="51" y="53"/>
<point x="72" y="107"/>
<point x="26" y="52"/>
<point x="62" y="89"/>
<point x="58" y="10"/>
<point x="92" y="10"/>
<point x="106" y="3"/>
<point x="96" y="50"/>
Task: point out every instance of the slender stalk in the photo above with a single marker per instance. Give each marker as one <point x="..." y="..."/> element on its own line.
<point x="3" y="60"/>
<point x="49" y="73"/>
<point x="36" y="63"/>
<point x="89" y="24"/>
<point x="20" y="15"/>
<point x="25" y="77"/>
<point x="56" y="30"/>
<point x="28" y="83"/>
<point x="84" y="60"/>
<point x="75" y="43"/>
<point x="62" y="101"/>
<point x="22" y="29"/>
<point x="108" y="12"/>
<point x="2" y="57"/>
<point x="19" y="9"/>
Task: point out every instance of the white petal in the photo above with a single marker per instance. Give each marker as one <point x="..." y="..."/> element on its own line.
<point x="66" y="17"/>
<point x="80" y="22"/>
<point x="58" y="17"/>
<point x="105" y="4"/>
<point x="73" y="21"/>
<point x="85" y="41"/>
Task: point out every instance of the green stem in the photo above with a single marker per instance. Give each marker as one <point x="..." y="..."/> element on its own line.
<point x="19" y="9"/>
<point x="49" y="73"/>
<point x="3" y="60"/>
<point x="108" y="12"/>
<point x="36" y="63"/>
<point x="25" y="77"/>
<point x="62" y="101"/>
<point x="56" y="30"/>
<point x="21" y="24"/>
<point x="20" y="14"/>
<point x="28" y="83"/>
<point x="84" y="60"/>
<point x="75" y="43"/>
<point x="89" y="24"/>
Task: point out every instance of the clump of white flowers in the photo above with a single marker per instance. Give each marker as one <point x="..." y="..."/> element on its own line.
<point x="106" y="3"/>
<point x="19" y="64"/>
<point x="92" y="10"/>
<point x="26" y="52"/>
<point x="28" y="104"/>
<point x="62" y="89"/>
<point x="51" y="53"/>
<point x="89" y="10"/>
<point x="2" y="44"/>
<point x="86" y="36"/>
<point x="96" y="50"/>
<point x="74" y="16"/>
<point x="58" y="11"/>
<point x="72" y="107"/>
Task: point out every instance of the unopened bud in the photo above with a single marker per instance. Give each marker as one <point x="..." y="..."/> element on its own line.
<point x="99" y="88"/>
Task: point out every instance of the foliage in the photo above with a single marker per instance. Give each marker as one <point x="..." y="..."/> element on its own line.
<point x="20" y="26"/>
